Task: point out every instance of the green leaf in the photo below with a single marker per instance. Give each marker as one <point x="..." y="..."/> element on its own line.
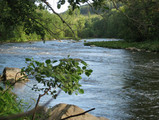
<point x="88" y="72"/>
<point x="81" y="91"/>
<point x="84" y="67"/>
<point x="37" y="63"/>
<point x="84" y="63"/>
<point x="58" y="6"/>
<point x="105" y="7"/>
<point x="1" y="89"/>
<point x="62" y="2"/>
<point x="27" y="59"/>
<point x="32" y="64"/>
<point x="48" y="61"/>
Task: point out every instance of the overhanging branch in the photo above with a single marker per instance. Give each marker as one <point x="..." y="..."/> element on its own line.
<point x="48" y="5"/>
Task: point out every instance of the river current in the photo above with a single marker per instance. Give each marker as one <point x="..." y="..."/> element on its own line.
<point x="124" y="84"/>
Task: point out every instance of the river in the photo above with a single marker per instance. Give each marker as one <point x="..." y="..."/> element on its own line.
<point x="124" y="84"/>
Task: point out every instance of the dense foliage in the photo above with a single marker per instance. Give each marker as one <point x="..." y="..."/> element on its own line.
<point x="18" y="20"/>
<point x="141" y="22"/>
<point x="132" y="20"/>
<point x="9" y="104"/>
<point x="64" y="74"/>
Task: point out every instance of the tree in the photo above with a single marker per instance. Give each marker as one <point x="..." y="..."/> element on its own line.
<point x="19" y="13"/>
<point x="141" y="19"/>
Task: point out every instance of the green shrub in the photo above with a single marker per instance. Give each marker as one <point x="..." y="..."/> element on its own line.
<point x="9" y="104"/>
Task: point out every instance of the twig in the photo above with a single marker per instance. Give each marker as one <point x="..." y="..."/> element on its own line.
<point x="78" y="114"/>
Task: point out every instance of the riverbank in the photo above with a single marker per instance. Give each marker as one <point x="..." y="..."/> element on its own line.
<point x="150" y="46"/>
<point x="32" y="41"/>
<point x="25" y="41"/>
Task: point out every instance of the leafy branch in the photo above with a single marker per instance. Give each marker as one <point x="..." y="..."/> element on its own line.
<point x="63" y="74"/>
<point x="49" y="6"/>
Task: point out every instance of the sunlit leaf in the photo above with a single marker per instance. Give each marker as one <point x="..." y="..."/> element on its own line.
<point x="81" y="91"/>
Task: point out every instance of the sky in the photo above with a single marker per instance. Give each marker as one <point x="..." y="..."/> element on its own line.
<point x="63" y="8"/>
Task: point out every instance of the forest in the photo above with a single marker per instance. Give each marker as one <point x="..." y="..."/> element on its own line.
<point x="135" y="20"/>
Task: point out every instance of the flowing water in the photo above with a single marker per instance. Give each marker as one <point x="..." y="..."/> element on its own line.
<point x="124" y="84"/>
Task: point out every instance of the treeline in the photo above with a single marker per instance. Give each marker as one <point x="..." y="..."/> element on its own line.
<point x="130" y="20"/>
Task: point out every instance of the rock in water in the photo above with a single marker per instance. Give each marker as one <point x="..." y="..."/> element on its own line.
<point x="62" y="111"/>
<point x="9" y="74"/>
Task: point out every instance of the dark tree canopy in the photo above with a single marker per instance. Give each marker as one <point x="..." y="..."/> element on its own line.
<point x="131" y="19"/>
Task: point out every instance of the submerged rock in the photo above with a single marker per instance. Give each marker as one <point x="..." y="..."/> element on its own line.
<point x="62" y="111"/>
<point x="92" y="46"/>
<point x="133" y="49"/>
<point x="12" y="75"/>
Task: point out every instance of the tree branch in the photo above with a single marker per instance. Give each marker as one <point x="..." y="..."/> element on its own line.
<point x="40" y="95"/>
<point x="48" y="5"/>
<point x="13" y="83"/>
<point x="78" y="114"/>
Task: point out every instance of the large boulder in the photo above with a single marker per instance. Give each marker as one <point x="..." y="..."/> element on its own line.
<point x="12" y="75"/>
<point x="62" y="111"/>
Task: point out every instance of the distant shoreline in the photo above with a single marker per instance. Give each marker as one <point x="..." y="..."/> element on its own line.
<point x="148" y="46"/>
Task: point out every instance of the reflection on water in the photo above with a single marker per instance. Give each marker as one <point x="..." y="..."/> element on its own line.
<point x="142" y="87"/>
<point x="19" y="85"/>
<point x="123" y="86"/>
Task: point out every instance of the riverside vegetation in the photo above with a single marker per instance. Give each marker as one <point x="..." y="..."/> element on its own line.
<point x="139" y="46"/>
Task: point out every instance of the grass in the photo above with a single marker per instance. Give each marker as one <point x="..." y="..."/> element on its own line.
<point x="8" y="104"/>
<point x="146" y="45"/>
